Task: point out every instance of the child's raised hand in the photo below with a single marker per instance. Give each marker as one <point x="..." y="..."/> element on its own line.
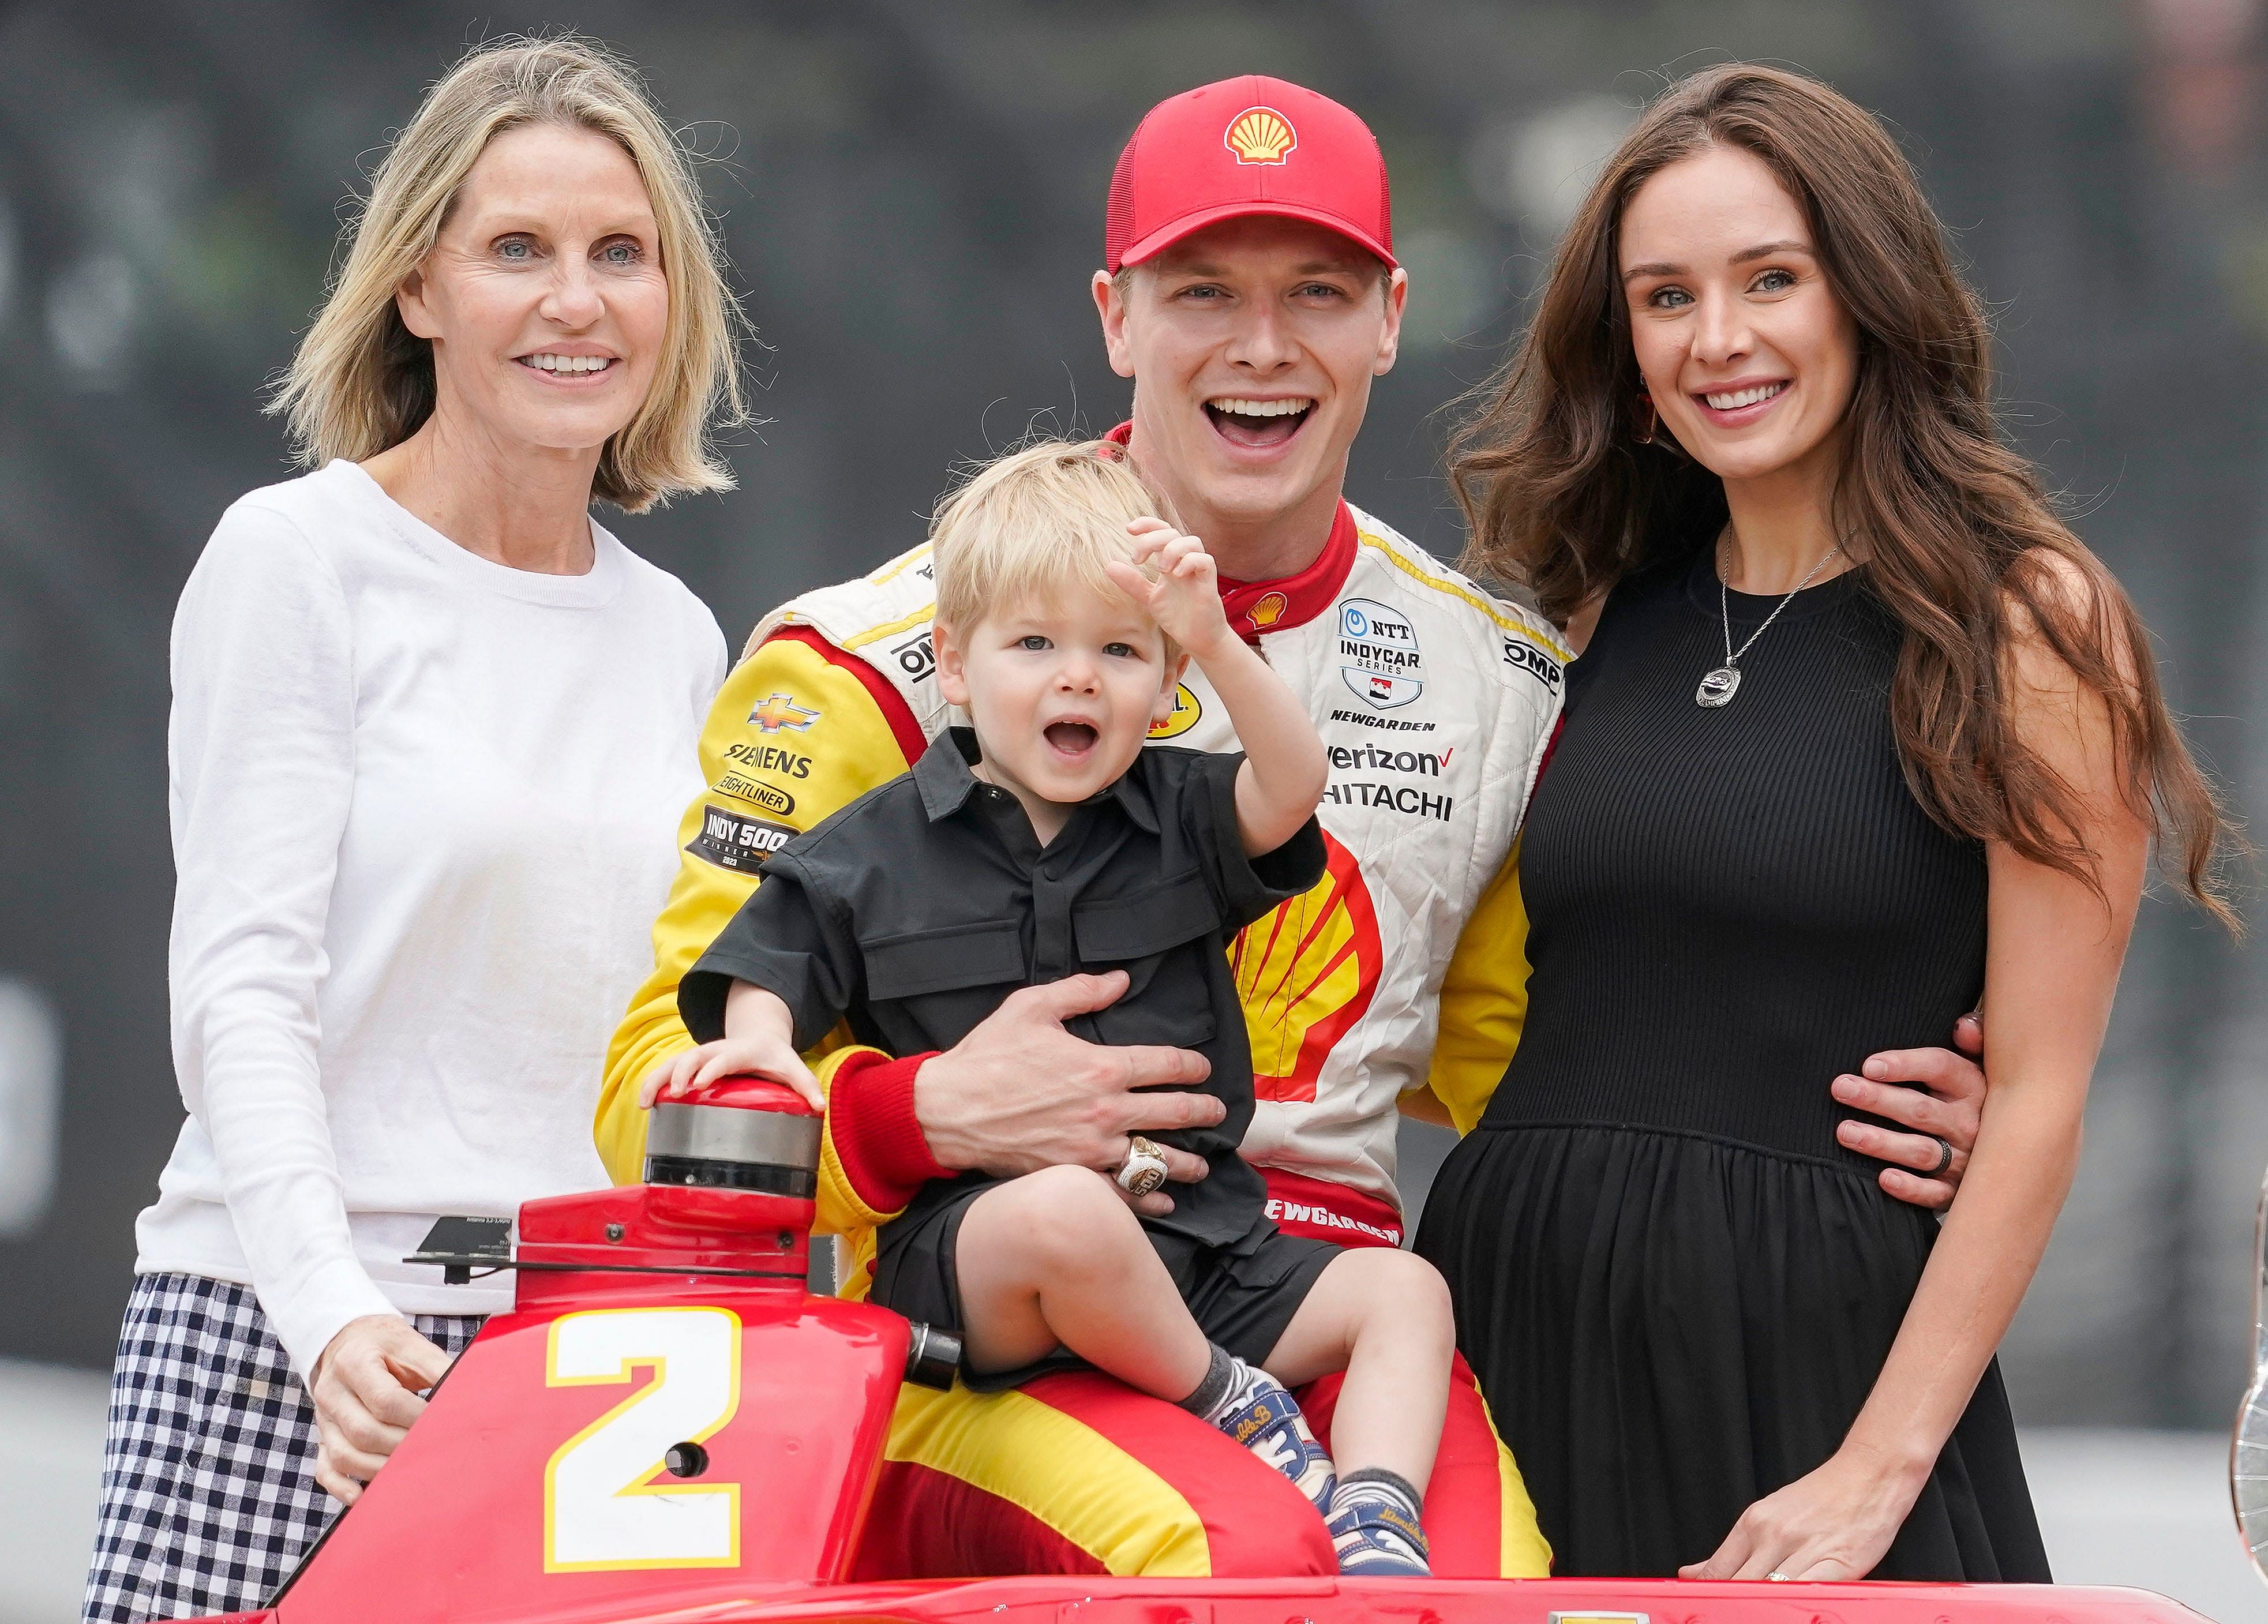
<point x="1185" y="599"/>
<point x="762" y="1054"/>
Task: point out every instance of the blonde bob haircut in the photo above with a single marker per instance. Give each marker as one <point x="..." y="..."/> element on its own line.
<point x="1036" y="526"/>
<point x="363" y="383"/>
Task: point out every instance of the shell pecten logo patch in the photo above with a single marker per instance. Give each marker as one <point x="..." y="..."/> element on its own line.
<point x="1268" y="611"/>
<point x="1261" y="135"/>
<point x="1306" y="973"/>
<point x="1186" y="712"/>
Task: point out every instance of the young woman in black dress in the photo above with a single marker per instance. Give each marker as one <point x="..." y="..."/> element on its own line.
<point x="1861" y="733"/>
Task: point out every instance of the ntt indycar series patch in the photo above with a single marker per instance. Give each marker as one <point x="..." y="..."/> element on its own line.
<point x="1382" y="645"/>
<point x="1434" y="701"/>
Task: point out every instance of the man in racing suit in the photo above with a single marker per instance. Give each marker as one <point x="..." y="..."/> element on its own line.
<point x="1436" y="703"/>
<point x="1250" y="291"/>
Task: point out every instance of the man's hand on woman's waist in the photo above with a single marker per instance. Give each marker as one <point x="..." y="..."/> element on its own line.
<point x="1937" y="1094"/>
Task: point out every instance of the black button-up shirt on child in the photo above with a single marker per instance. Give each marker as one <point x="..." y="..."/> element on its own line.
<point x="916" y="909"/>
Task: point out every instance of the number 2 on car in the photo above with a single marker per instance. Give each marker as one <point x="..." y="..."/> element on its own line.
<point x="601" y="1508"/>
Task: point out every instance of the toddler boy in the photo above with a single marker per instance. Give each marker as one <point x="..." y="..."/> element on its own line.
<point x="1045" y="840"/>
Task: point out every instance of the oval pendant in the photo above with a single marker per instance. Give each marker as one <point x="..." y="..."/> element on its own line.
<point x="1718" y="688"/>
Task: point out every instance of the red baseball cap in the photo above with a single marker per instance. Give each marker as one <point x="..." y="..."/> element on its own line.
<point x="1244" y="146"/>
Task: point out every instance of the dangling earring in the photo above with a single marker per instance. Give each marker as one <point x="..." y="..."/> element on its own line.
<point x="1648" y="419"/>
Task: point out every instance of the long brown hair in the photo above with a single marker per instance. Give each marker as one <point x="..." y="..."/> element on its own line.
<point x="1960" y="541"/>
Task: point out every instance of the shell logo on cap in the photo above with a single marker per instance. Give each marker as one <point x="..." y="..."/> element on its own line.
<point x="1261" y="135"/>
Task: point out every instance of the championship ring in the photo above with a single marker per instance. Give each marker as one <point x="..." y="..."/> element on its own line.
<point x="1144" y="1170"/>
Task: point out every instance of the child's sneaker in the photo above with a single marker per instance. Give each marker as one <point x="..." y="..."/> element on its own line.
<point x="1374" y="1526"/>
<point x="1266" y="1420"/>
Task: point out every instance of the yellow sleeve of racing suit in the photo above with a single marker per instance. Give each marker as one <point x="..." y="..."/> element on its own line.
<point x="1484" y="1001"/>
<point x="792" y="737"/>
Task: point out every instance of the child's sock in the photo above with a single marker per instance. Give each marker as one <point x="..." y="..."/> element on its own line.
<point x="1253" y="1408"/>
<point x="1374" y="1522"/>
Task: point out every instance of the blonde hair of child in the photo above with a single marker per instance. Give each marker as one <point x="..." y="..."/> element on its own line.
<point x="1038" y="525"/>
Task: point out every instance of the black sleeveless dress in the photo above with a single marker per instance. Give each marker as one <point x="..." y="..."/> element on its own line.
<point x="1677" y="1289"/>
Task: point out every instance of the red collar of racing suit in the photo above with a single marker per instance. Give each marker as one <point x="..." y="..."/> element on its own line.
<point x="1255" y="608"/>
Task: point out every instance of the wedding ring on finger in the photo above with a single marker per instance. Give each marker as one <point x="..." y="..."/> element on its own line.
<point x="1944" y="1159"/>
<point x="1144" y="1170"/>
<point x="1777" y="1576"/>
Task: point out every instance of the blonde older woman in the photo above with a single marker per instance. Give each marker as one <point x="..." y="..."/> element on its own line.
<point x="431" y="730"/>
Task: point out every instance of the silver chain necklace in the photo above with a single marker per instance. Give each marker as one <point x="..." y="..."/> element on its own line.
<point x="1719" y="686"/>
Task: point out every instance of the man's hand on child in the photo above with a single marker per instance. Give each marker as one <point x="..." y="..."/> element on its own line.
<point x="1185" y="599"/>
<point x="763" y="1056"/>
<point x="1021" y="1093"/>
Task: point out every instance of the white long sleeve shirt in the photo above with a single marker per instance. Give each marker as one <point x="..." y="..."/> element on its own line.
<point x="423" y="810"/>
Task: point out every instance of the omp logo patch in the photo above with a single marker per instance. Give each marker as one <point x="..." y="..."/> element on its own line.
<point x="734" y="841"/>
<point x="1186" y="712"/>
<point x="1379" y="647"/>
<point x="1260" y="136"/>
<point x="771" y="797"/>
<point x="779" y="711"/>
<point x="1527" y="657"/>
<point x="915" y="656"/>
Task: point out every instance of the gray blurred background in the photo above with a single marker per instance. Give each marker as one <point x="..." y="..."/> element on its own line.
<point x="913" y="195"/>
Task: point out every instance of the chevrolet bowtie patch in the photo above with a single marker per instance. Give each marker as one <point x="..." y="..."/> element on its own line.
<point x="780" y="712"/>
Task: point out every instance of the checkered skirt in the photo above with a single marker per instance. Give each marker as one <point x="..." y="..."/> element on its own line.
<point x="209" y="1492"/>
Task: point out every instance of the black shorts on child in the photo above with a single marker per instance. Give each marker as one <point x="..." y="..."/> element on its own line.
<point x="1241" y="1298"/>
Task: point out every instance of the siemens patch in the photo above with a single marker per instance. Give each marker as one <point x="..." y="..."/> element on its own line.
<point x="734" y="841"/>
<point x="769" y="758"/>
